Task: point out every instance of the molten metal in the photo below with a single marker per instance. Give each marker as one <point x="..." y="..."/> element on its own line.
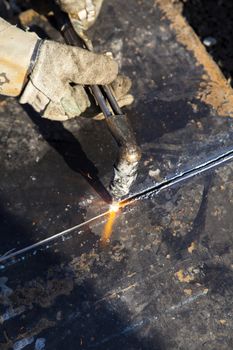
<point x="114" y="207"/>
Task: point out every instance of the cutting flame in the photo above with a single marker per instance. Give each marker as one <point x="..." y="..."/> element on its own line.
<point x="114" y="208"/>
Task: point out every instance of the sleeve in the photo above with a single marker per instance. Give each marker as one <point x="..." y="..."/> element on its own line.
<point x="17" y="48"/>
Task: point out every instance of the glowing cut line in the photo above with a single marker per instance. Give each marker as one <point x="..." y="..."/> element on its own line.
<point x="52" y="238"/>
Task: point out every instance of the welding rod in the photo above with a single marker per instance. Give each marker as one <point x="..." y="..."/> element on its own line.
<point x="126" y="166"/>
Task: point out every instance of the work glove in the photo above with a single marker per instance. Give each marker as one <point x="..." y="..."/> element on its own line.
<point x="50" y="76"/>
<point x="55" y="87"/>
<point x="82" y="13"/>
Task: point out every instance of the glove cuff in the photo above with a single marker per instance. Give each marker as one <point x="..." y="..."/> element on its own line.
<point x="35" y="55"/>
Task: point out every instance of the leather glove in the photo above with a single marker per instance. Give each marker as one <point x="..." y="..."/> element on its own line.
<point x="55" y="88"/>
<point x="82" y="13"/>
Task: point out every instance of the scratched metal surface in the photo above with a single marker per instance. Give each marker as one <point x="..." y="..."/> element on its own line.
<point x="165" y="281"/>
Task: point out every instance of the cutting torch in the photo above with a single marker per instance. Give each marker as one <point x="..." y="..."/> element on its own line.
<point x="126" y="165"/>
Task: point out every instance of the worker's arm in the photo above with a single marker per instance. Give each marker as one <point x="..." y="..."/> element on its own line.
<point x="16" y="55"/>
<point x="48" y="75"/>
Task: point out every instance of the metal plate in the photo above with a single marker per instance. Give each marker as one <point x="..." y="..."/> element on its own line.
<point x="77" y="292"/>
<point x="163" y="282"/>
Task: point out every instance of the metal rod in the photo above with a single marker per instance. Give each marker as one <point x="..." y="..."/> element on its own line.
<point x="112" y="101"/>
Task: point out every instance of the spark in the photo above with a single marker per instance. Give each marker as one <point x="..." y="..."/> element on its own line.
<point x="114" y="207"/>
<point x="108" y="227"/>
<point x="113" y="210"/>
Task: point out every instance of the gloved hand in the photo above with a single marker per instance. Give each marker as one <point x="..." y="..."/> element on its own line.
<point x="82" y="13"/>
<point x="55" y="85"/>
<point x="51" y="75"/>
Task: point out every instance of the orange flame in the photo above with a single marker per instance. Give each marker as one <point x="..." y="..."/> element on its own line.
<point x="108" y="227"/>
<point x="113" y="210"/>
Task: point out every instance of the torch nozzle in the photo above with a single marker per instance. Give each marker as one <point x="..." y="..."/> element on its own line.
<point x="126" y="166"/>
